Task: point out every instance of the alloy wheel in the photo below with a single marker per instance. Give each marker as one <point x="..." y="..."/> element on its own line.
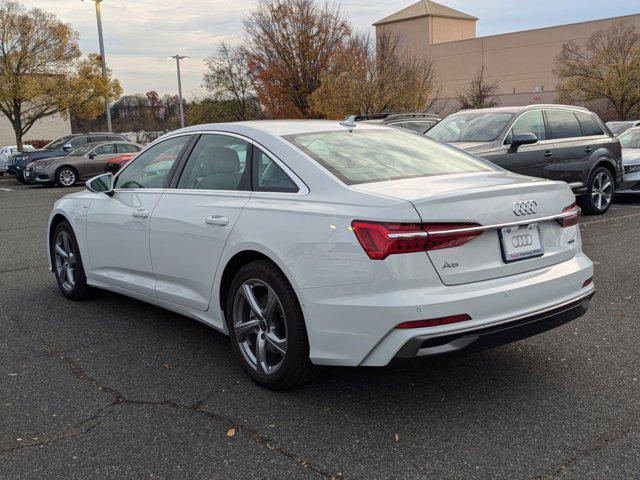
<point x="602" y="190"/>
<point x="65" y="260"/>
<point x="260" y="326"/>
<point x="67" y="178"/>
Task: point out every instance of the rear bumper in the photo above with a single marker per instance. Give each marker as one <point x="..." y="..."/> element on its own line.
<point x="481" y="339"/>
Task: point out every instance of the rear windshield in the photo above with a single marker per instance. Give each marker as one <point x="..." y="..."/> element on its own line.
<point x="470" y="127"/>
<point x="365" y="156"/>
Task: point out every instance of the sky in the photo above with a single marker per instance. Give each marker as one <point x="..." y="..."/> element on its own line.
<point x="139" y="34"/>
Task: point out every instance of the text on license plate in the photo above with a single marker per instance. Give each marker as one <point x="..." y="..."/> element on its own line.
<point x="519" y="243"/>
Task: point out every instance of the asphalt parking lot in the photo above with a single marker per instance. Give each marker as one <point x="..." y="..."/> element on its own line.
<point x="115" y="388"/>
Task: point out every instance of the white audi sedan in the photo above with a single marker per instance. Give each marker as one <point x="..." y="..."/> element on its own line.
<point x="325" y="243"/>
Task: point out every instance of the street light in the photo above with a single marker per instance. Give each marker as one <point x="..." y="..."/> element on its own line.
<point x="107" y="103"/>
<point x="179" y="57"/>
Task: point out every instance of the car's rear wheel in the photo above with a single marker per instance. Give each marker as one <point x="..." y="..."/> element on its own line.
<point x="600" y="192"/>
<point x="267" y="327"/>
<point x="21" y="179"/>
<point x="67" y="263"/>
<point x="66" y="177"/>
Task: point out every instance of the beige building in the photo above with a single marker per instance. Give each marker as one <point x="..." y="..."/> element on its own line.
<point x="48" y="128"/>
<point x="522" y="62"/>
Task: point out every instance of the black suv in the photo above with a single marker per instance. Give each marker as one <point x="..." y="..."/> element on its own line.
<point x="416" y="122"/>
<point x="58" y="148"/>
<point x="549" y="141"/>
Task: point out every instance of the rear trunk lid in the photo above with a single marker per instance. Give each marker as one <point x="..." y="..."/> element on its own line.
<point x="496" y="200"/>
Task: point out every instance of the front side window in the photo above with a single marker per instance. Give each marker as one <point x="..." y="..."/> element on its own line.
<point x="364" y="156"/>
<point x="563" y="124"/>
<point x="470" y="127"/>
<point x="630" y="139"/>
<point x="589" y="126"/>
<point x="151" y="169"/>
<point x="528" y="122"/>
<point x="269" y="177"/>
<point x="77" y="142"/>
<point x="106" y="149"/>
<point x="58" y="143"/>
<point x="218" y="162"/>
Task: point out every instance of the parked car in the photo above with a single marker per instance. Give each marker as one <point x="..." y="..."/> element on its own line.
<point x="618" y="128"/>
<point x="118" y="162"/>
<point x="83" y="163"/>
<point x="416" y="122"/>
<point x="547" y="141"/>
<point x="60" y="147"/>
<point x="9" y="151"/>
<point x="630" y="141"/>
<point x="327" y="243"/>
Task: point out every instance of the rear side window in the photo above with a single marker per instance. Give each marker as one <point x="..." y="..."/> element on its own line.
<point x="563" y="124"/>
<point x="269" y="177"/>
<point x="589" y="125"/>
<point x="106" y="149"/>
<point x="127" y="148"/>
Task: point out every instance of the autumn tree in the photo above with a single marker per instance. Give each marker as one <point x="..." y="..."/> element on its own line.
<point x="368" y="77"/>
<point x="42" y="72"/>
<point x="607" y="67"/>
<point x="479" y="93"/>
<point x="290" y="45"/>
<point x="228" y="78"/>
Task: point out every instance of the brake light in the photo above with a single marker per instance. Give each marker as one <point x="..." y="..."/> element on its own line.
<point x="573" y="219"/>
<point x="434" y="322"/>
<point x="379" y="240"/>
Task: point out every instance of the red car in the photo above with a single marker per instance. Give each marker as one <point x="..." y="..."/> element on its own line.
<point x="117" y="163"/>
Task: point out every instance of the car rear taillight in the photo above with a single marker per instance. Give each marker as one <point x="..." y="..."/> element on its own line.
<point x="434" y="322"/>
<point x="379" y="240"/>
<point x="573" y="218"/>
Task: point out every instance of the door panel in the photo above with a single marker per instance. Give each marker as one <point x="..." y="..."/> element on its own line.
<point x="118" y="239"/>
<point x="202" y="222"/>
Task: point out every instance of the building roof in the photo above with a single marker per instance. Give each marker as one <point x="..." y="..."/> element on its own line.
<point x="419" y="9"/>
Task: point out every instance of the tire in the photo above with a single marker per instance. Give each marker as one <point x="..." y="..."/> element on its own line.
<point x="68" y="269"/>
<point x="279" y="327"/>
<point x="66" y="177"/>
<point x="598" y="199"/>
<point x="21" y="179"/>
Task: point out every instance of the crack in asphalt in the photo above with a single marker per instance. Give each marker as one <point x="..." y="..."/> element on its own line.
<point x="119" y="399"/>
<point x="578" y="455"/>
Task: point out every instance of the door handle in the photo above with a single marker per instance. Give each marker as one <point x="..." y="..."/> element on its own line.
<point x="548" y="153"/>
<point x="141" y="213"/>
<point x="217" y="220"/>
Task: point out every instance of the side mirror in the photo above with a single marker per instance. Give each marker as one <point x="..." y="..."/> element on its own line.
<point x="523" y="139"/>
<point x="101" y="184"/>
<point x="67" y="147"/>
<point x="92" y="156"/>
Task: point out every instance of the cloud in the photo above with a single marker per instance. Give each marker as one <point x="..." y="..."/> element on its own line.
<point x="139" y="34"/>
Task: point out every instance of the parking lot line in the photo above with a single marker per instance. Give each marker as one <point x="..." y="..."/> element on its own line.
<point x="611" y="219"/>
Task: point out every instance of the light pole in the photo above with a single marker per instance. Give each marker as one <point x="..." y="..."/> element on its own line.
<point x="179" y="57"/>
<point x="107" y="103"/>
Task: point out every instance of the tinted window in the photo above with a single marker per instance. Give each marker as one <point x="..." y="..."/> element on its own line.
<point x="364" y="156"/>
<point x="218" y="162"/>
<point x="77" y="142"/>
<point x="106" y="149"/>
<point x="470" y="127"/>
<point x="269" y="177"/>
<point x="58" y="143"/>
<point x="589" y="125"/>
<point x="528" y="122"/>
<point x="151" y="169"/>
<point x="618" y="127"/>
<point x="630" y="139"/>
<point x="127" y="148"/>
<point x="563" y="124"/>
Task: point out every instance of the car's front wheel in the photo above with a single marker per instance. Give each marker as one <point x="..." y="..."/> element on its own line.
<point x="66" y="177"/>
<point x="67" y="263"/>
<point x="267" y="327"/>
<point x="600" y="192"/>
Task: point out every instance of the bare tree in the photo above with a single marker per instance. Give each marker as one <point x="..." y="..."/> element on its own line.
<point x="368" y="77"/>
<point x="606" y="67"/>
<point x="290" y="45"/>
<point x="479" y="93"/>
<point x="228" y="78"/>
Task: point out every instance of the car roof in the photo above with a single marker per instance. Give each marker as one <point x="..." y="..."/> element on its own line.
<point x="519" y="109"/>
<point x="281" y="127"/>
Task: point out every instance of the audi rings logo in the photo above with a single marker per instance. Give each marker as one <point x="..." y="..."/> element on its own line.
<point x="520" y="241"/>
<point x="528" y="207"/>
